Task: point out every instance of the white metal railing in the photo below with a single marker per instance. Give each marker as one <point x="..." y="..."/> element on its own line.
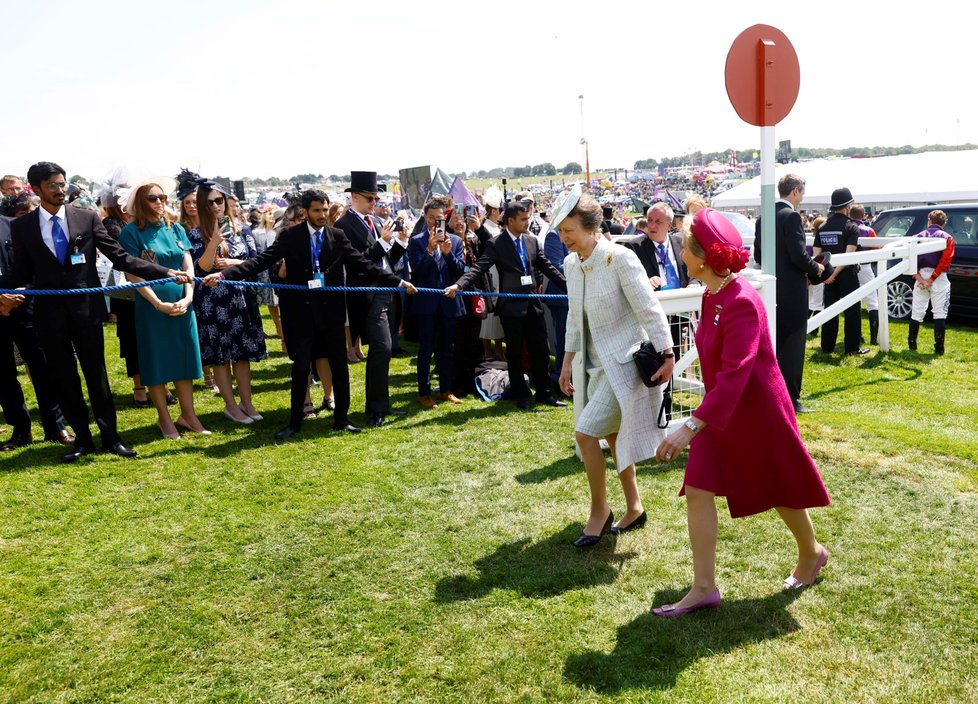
<point x="898" y="256"/>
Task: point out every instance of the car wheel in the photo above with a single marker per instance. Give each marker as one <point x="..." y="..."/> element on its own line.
<point x="900" y="294"/>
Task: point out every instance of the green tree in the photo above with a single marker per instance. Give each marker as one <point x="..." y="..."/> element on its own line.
<point x="571" y="167"/>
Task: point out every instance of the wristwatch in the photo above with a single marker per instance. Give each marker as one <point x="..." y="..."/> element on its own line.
<point x="691" y="425"/>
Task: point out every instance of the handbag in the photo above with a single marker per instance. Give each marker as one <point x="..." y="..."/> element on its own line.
<point x="648" y="361"/>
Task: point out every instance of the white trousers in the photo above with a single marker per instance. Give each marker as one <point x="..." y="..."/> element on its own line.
<point x="938" y="295"/>
<point x="865" y="275"/>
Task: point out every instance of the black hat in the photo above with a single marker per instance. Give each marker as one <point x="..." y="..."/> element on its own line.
<point x="822" y="258"/>
<point x="365" y="182"/>
<point x="841" y="197"/>
<point x="187" y="182"/>
<point x="606" y="212"/>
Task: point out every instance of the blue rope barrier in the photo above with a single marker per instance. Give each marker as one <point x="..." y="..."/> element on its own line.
<point x="258" y="284"/>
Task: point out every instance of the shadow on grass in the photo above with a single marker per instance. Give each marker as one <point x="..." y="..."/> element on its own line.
<point x="901" y="361"/>
<point x="651" y="652"/>
<point x="537" y="570"/>
<point x="555" y="470"/>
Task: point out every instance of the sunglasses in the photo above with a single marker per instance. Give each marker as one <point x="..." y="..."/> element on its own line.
<point x="152" y="198"/>
<point x="369" y="198"/>
<point x="215" y="201"/>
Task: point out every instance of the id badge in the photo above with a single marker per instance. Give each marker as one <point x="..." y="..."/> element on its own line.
<point x="317" y="281"/>
<point x="77" y="258"/>
<point x="526" y="280"/>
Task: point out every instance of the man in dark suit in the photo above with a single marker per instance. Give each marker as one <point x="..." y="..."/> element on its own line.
<point x="369" y="311"/>
<point x="659" y="251"/>
<point x="519" y="261"/>
<point x="17" y="327"/>
<point x="312" y="321"/>
<point x="792" y="267"/>
<point x="437" y="260"/>
<point x="55" y="248"/>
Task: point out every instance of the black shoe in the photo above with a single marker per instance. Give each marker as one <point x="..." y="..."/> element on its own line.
<point x="858" y="353"/>
<point x="347" y="427"/>
<point x="586" y="541"/>
<point x="551" y="400"/>
<point x="286" y="432"/>
<point x="117" y="448"/>
<point x="376" y="420"/>
<point x="79" y="452"/>
<point x="327" y="404"/>
<point x="17" y="440"/>
<point x="523" y="404"/>
<point x="799" y="408"/>
<point x="634" y="525"/>
<point x="170" y="399"/>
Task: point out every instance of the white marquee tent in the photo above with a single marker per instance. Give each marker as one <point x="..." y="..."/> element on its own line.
<point x="878" y="182"/>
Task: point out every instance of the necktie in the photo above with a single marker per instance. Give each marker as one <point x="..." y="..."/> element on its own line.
<point x="60" y="239"/>
<point x="672" y="278"/>
<point x="519" y="248"/>
<point x="370" y="225"/>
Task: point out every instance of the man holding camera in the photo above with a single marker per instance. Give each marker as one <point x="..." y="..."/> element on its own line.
<point x="437" y="260"/>
<point x="368" y="311"/>
<point x="519" y="259"/>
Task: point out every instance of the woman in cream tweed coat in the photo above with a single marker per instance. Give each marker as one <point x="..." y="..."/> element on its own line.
<point x="612" y="309"/>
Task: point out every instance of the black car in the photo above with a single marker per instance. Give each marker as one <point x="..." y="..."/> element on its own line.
<point x="962" y="224"/>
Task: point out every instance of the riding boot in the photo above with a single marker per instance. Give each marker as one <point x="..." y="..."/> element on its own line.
<point x="874" y="327"/>
<point x="940" y="327"/>
<point x="912" y="334"/>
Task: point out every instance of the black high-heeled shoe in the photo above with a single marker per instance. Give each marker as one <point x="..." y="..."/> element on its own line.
<point x="634" y="525"/>
<point x="585" y="541"/>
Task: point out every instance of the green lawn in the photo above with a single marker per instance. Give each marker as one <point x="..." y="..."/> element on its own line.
<point x="431" y="560"/>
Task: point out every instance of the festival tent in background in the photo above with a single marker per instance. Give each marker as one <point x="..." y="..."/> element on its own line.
<point x="879" y="182"/>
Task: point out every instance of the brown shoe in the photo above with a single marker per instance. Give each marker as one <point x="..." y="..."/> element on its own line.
<point x="16" y="440"/>
<point x="427" y="402"/>
<point x="62" y="436"/>
<point x="450" y="397"/>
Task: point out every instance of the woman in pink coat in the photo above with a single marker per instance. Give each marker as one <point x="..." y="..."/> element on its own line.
<point x="743" y="439"/>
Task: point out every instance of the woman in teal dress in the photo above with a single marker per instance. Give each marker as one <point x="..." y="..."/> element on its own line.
<point x="166" y="328"/>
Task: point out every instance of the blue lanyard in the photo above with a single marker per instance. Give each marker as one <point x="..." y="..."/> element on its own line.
<point x="316" y="246"/>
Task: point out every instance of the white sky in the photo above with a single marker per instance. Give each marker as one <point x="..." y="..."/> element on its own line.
<point x="251" y="88"/>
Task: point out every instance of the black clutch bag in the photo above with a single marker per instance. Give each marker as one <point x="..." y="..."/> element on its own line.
<point x="648" y="362"/>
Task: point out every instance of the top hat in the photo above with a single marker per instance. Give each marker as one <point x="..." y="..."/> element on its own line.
<point x="822" y="258"/>
<point x="365" y="182"/>
<point x="841" y="197"/>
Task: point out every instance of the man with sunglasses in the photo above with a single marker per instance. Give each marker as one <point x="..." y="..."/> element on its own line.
<point x="369" y="311"/>
<point x="55" y="248"/>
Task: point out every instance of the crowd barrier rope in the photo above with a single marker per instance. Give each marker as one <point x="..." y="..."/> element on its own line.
<point x="258" y="284"/>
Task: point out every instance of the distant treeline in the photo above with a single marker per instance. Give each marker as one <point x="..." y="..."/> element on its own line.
<point x="745" y="155"/>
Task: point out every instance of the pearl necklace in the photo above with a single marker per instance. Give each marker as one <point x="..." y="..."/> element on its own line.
<point x="726" y="280"/>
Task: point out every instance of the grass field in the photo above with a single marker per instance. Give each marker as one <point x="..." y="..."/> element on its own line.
<point x="430" y="560"/>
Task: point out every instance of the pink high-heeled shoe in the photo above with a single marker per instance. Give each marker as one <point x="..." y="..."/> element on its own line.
<point x="710" y="601"/>
<point x="792" y="582"/>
